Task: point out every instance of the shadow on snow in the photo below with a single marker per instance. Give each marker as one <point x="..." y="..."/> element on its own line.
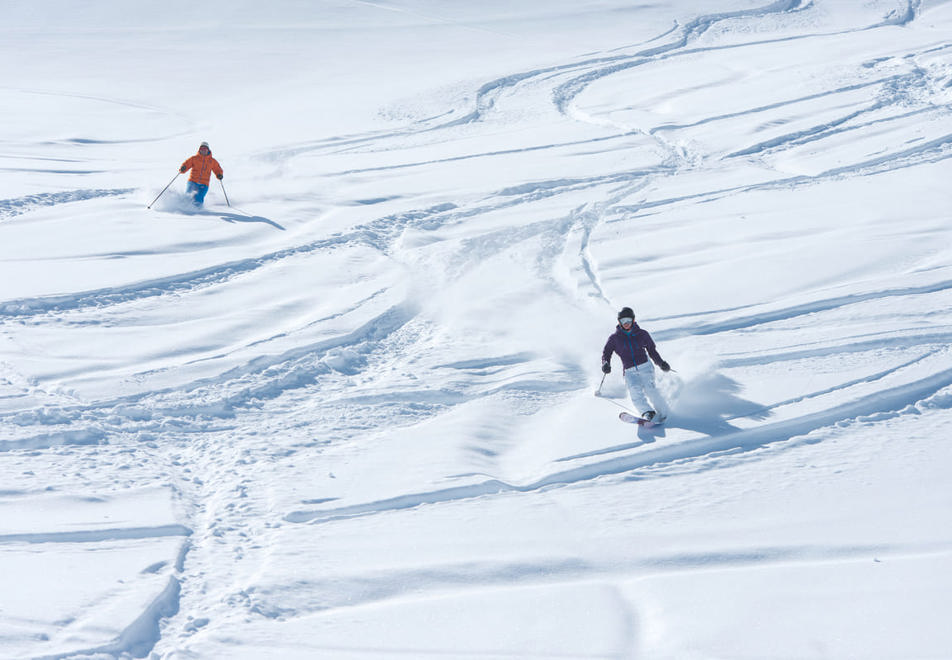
<point x="238" y="217"/>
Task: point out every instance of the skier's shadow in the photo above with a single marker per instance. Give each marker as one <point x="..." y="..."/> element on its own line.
<point x="648" y="435"/>
<point x="237" y="217"/>
<point x="707" y="403"/>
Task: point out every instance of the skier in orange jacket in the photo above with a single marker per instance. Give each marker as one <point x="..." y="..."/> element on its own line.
<point x="202" y="165"/>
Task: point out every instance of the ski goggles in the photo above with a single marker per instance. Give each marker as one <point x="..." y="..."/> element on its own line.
<point x="626" y="321"/>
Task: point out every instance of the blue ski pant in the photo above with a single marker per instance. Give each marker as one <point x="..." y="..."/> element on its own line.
<point x="644" y="393"/>
<point x="197" y="191"/>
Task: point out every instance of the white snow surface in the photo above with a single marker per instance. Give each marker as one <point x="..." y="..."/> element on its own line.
<point x="348" y="413"/>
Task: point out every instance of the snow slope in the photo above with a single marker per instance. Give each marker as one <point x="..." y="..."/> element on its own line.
<point x="350" y="414"/>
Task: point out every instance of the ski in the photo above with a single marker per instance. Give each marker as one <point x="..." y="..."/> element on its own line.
<point x="640" y="421"/>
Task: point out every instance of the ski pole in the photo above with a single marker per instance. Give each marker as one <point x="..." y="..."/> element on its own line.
<point x="223" y="190"/>
<point x="598" y="392"/>
<point x="163" y="191"/>
<point x="623" y="407"/>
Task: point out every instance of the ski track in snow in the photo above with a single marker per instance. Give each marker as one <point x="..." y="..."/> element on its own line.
<point x="10" y="208"/>
<point x="344" y="382"/>
<point x="729" y="441"/>
<point x="293" y="600"/>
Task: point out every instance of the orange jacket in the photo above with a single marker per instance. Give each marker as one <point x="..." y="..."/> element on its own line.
<point x="202" y="168"/>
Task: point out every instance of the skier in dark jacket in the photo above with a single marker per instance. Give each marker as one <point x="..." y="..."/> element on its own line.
<point x="634" y="346"/>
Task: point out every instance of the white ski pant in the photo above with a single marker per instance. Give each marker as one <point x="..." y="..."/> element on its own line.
<point x="642" y="390"/>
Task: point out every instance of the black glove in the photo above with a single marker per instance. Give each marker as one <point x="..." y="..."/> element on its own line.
<point x="182" y="169"/>
<point x="220" y="176"/>
<point x="606" y="367"/>
<point x="665" y="366"/>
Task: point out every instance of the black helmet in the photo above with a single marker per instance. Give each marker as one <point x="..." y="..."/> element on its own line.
<point x="626" y="313"/>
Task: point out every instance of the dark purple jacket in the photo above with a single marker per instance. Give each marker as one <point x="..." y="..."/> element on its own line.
<point x="633" y="347"/>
